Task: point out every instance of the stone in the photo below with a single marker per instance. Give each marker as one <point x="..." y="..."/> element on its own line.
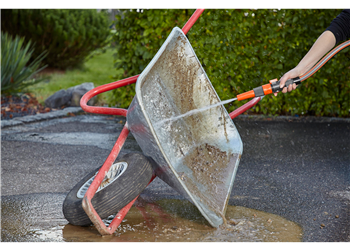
<point x="78" y="92"/>
<point x="59" y="99"/>
<point x="70" y="97"/>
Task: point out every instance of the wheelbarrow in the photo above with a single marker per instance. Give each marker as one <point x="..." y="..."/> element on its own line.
<point x="197" y="155"/>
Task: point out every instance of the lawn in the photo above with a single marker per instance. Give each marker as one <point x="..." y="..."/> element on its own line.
<point x="98" y="69"/>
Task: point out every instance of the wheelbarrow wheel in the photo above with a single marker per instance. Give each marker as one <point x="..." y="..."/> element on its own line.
<point x="125" y="180"/>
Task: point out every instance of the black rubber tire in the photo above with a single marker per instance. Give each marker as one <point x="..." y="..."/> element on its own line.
<point x="115" y="196"/>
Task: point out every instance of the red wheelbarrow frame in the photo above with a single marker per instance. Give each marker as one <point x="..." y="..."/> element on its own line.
<point x="86" y="202"/>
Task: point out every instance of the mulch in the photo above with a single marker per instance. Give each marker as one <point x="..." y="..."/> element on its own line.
<point x="25" y="104"/>
<point x="22" y="105"/>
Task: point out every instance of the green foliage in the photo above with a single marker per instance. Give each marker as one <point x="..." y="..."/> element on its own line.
<point x="16" y="72"/>
<point x="69" y="36"/>
<point x="240" y="50"/>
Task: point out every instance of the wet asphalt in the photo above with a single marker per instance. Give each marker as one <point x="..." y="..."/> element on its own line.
<point x="295" y="168"/>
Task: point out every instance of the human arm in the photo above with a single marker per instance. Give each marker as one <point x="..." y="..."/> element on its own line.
<point x="323" y="44"/>
<point x="338" y="30"/>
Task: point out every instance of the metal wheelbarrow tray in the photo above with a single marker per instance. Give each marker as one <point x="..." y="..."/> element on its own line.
<point x="197" y="155"/>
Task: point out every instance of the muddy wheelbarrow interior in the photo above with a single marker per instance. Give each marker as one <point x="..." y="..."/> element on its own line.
<point x="197" y="155"/>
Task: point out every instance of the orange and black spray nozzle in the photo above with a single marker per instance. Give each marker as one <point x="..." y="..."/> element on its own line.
<point x="272" y="87"/>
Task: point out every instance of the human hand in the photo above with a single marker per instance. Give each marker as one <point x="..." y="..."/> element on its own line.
<point x="290" y="74"/>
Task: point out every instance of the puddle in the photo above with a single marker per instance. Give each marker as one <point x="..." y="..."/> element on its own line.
<point x="23" y="217"/>
<point x="179" y="220"/>
<point x="167" y="220"/>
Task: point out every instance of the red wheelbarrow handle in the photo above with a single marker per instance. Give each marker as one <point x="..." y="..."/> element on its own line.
<point x="192" y="20"/>
<point x="104" y="88"/>
<point x="245" y="107"/>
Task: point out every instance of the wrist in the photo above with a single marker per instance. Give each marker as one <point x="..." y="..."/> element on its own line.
<point x="301" y="69"/>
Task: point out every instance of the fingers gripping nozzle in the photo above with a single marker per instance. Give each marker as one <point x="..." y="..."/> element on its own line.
<point x="275" y="85"/>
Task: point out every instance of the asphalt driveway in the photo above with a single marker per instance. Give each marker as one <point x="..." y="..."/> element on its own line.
<point x="296" y="168"/>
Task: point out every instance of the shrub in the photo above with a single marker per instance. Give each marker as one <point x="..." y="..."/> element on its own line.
<point x="240" y="50"/>
<point x="69" y="36"/>
<point x="16" y="72"/>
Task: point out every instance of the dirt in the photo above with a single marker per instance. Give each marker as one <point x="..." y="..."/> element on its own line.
<point x="206" y="162"/>
<point x="181" y="75"/>
<point x="210" y="166"/>
<point x="21" y="105"/>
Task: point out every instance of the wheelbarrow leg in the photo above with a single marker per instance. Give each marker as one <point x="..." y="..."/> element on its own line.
<point x="98" y="223"/>
<point x="86" y="202"/>
<point x="121" y="214"/>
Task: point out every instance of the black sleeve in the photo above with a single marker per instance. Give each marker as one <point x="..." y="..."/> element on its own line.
<point x="340" y="26"/>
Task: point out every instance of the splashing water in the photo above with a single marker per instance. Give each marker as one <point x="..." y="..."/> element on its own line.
<point x="191" y="112"/>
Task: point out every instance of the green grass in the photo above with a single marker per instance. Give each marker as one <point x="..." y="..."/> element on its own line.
<point x="98" y="69"/>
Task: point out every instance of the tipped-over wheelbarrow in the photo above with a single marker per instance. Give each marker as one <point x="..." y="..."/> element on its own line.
<point x="197" y="155"/>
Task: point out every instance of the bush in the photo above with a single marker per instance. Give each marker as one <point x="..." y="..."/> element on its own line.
<point x="69" y="36"/>
<point x="16" y="73"/>
<point x="240" y="50"/>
